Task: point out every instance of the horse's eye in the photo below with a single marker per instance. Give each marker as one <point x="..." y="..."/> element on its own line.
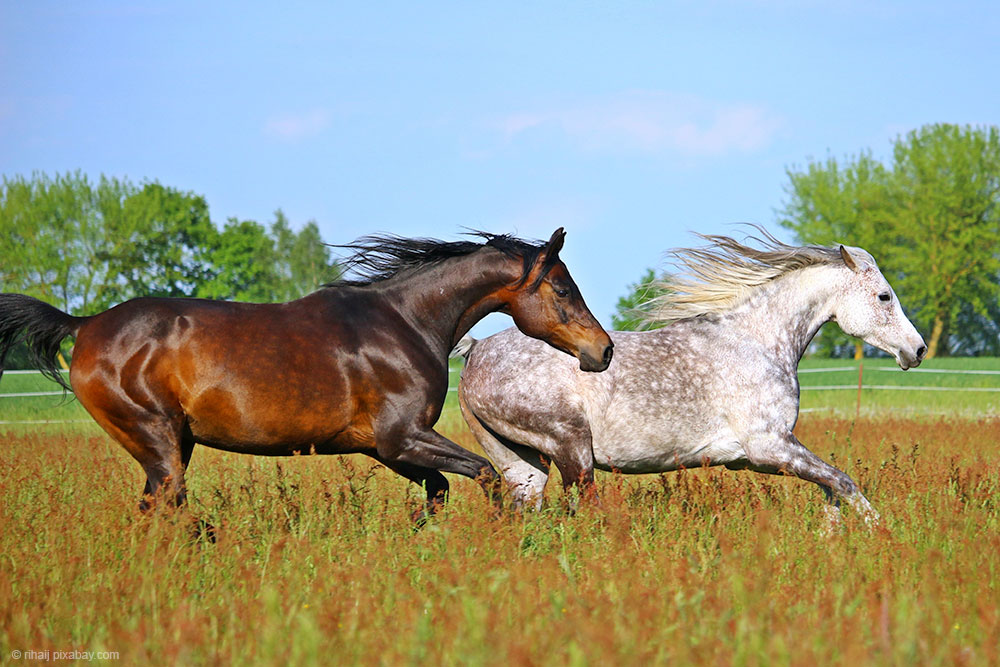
<point x="884" y="296"/>
<point x="562" y="292"/>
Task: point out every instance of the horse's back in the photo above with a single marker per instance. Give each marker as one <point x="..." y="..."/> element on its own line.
<point x="654" y="409"/>
<point x="171" y="328"/>
<point x="649" y="368"/>
<point x="242" y="376"/>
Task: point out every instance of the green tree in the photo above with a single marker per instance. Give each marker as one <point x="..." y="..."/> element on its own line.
<point x="85" y="247"/>
<point x="157" y="243"/>
<point x="981" y="333"/>
<point x="251" y="263"/>
<point x="245" y="266"/>
<point x="947" y="184"/>
<point x="628" y="315"/>
<point x="49" y="236"/>
<point x="932" y="221"/>
<point x="830" y="203"/>
<point x="304" y="261"/>
<point x="311" y="262"/>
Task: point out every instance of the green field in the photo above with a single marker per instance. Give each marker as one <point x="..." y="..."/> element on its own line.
<point x="62" y="408"/>
<point x="928" y="390"/>
<point x="317" y="560"/>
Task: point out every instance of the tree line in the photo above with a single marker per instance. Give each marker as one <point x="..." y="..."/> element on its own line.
<point x="931" y="218"/>
<point x="85" y="246"/>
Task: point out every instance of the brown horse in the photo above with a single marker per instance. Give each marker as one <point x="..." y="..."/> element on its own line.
<point x="359" y="366"/>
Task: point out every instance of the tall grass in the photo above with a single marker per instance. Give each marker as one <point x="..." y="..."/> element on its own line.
<point x="317" y="561"/>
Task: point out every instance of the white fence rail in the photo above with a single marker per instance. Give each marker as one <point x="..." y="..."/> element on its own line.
<point x="894" y="387"/>
<point x="29" y="372"/>
<point x="25" y="394"/>
<point x="897" y="370"/>
<point x="802" y="371"/>
<point x="29" y="393"/>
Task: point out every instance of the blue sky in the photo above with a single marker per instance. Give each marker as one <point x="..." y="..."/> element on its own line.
<point x="628" y="123"/>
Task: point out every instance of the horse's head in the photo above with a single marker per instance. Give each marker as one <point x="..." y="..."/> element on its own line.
<point x="546" y="304"/>
<point x="869" y="309"/>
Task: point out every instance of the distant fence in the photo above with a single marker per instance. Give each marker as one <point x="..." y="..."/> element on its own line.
<point x="826" y="387"/>
<point x="29" y="393"/>
<point x="859" y="369"/>
<point x="56" y="393"/>
<point x="32" y="394"/>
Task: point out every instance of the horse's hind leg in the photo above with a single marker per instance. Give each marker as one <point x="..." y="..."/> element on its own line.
<point x="524" y="470"/>
<point x="784" y="454"/>
<point x="160" y="445"/>
<point x="526" y="478"/>
<point x="176" y="493"/>
<point x="164" y="468"/>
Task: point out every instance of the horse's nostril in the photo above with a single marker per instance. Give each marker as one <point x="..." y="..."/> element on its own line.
<point x="609" y="352"/>
<point x="921" y="351"/>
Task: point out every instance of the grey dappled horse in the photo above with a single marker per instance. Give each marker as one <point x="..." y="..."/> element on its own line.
<point x="716" y="386"/>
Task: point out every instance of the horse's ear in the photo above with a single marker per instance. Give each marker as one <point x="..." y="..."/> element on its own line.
<point x="554" y="245"/>
<point x="848" y="260"/>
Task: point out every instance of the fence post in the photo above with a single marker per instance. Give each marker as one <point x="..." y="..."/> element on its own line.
<point x="861" y="372"/>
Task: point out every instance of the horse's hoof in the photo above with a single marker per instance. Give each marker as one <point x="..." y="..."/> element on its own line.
<point x="422" y="516"/>
<point x="203" y="530"/>
<point x="873" y="520"/>
<point x="832" y="521"/>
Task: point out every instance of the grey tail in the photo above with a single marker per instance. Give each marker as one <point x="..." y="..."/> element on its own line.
<point x="464" y="347"/>
<point x="41" y="326"/>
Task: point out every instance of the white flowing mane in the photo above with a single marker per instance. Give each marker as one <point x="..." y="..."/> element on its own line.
<point x="720" y="276"/>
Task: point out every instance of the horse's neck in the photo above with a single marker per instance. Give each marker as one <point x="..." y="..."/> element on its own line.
<point x="786" y="313"/>
<point x="446" y="299"/>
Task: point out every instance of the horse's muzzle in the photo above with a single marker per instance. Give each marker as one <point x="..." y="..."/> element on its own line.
<point x="590" y="364"/>
<point x="912" y="359"/>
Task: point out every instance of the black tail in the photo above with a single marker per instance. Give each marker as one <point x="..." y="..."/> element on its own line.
<point x="41" y="326"/>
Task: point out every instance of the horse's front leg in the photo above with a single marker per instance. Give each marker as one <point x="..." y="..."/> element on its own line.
<point x="422" y="455"/>
<point x="783" y="454"/>
<point x="434" y="484"/>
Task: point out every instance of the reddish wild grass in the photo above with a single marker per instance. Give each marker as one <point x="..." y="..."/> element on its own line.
<point x="317" y="561"/>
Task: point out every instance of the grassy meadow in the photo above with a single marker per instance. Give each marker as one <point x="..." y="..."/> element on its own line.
<point x="317" y="560"/>
<point x="930" y="389"/>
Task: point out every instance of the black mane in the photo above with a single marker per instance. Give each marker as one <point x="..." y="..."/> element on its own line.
<point x="379" y="257"/>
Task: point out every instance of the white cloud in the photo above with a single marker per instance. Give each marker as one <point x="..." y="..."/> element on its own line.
<point x="652" y="122"/>
<point x="293" y="127"/>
